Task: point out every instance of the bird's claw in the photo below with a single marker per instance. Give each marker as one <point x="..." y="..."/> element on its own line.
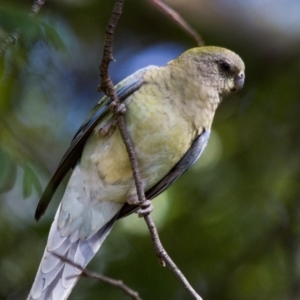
<point x="118" y="109"/>
<point x="145" y="209"/>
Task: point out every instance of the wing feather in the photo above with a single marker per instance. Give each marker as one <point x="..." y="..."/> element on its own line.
<point x="125" y="88"/>
<point x="183" y="165"/>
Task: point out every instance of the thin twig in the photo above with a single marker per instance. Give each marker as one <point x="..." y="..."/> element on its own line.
<point x="106" y="84"/>
<point x="36" y="6"/>
<point x="116" y="283"/>
<point x="163" y="255"/>
<point x="179" y="20"/>
<point x="9" y="41"/>
<point x="15" y="35"/>
<point x="108" y="87"/>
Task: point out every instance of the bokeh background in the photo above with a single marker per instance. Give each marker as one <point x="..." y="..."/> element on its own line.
<point x="232" y="222"/>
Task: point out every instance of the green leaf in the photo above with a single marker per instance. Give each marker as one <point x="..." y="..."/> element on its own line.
<point x="30" y="182"/>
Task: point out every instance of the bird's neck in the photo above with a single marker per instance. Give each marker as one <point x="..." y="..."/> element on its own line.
<point x="197" y="101"/>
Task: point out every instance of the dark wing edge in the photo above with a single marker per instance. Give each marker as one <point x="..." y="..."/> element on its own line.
<point x="73" y="153"/>
<point x="183" y="165"/>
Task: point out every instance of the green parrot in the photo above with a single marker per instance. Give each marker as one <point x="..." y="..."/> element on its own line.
<point x="169" y="113"/>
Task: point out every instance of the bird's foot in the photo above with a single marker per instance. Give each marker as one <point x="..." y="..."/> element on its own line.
<point x="118" y="109"/>
<point x="145" y="209"/>
<point x="133" y="200"/>
<point x="108" y="128"/>
<point x="146" y="206"/>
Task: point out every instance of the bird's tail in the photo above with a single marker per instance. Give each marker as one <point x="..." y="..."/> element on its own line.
<point x="56" y="278"/>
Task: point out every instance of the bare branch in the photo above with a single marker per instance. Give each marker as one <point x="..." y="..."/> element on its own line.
<point x="36" y="6"/>
<point x="116" y="283"/>
<point x="108" y="87"/>
<point x="166" y="259"/>
<point x="15" y="35"/>
<point x="106" y="84"/>
<point x="9" y="41"/>
<point x="179" y="20"/>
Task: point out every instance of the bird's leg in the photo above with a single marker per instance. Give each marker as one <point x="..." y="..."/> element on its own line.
<point x="146" y="207"/>
<point x="108" y="128"/>
<point x="132" y="200"/>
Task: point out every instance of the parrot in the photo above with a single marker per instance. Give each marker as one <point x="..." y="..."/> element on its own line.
<point x="169" y="113"/>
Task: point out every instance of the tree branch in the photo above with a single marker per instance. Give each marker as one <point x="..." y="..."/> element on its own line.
<point x="179" y="20"/>
<point x="108" y="87"/>
<point x="116" y="283"/>
<point x="9" y="41"/>
<point x="15" y="35"/>
<point x="36" y="6"/>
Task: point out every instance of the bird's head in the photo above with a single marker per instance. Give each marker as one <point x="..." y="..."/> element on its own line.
<point x="216" y="67"/>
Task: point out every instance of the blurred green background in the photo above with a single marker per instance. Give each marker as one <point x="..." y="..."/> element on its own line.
<point x="232" y="222"/>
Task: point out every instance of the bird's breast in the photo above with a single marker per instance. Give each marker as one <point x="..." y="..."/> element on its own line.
<point x="161" y="136"/>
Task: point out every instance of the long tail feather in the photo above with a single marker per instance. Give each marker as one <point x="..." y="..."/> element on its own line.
<point x="55" y="278"/>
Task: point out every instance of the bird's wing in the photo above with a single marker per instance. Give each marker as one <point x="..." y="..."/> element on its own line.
<point x="73" y="154"/>
<point x="81" y="224"/>
<point x="183" y="165"/>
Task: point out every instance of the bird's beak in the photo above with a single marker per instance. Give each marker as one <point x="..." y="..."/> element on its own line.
<point x="239" y="81"/>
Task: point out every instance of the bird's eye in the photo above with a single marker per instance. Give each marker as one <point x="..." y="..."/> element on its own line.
<point x="225" y="66"/>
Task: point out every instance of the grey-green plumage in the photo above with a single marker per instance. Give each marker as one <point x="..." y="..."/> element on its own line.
<point x="169" y="115"/>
